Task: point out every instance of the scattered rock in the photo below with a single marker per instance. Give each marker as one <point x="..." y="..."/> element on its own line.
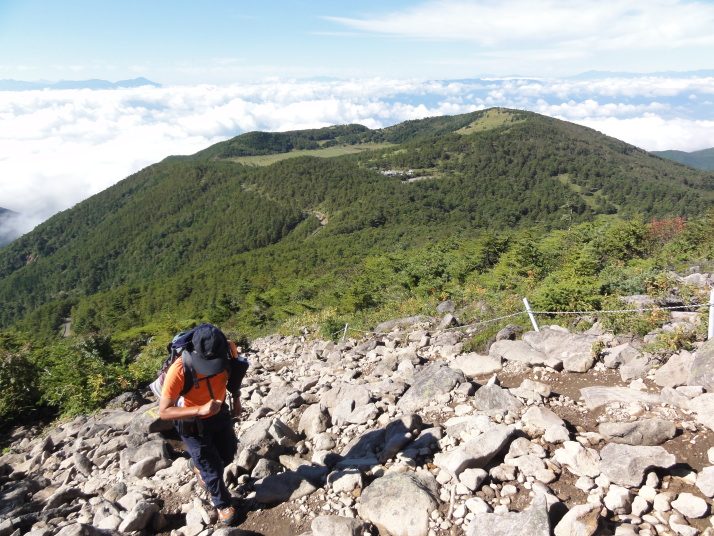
<point x="400" y="431"/>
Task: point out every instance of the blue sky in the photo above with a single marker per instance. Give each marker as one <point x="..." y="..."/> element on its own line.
<point x="221" y="41"/>
<point x="229" y="67"/>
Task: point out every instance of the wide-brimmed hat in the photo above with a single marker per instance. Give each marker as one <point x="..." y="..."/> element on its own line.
<point x="210" y="350"/>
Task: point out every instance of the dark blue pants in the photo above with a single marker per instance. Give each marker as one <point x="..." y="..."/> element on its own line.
<point x="211" y="450"/>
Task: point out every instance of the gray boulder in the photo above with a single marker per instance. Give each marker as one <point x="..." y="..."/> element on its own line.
<point x="398" y="434"/>
<point x="279" y="396"/>
<point x="342" y="411"/>
<point x="146" y="421"/>
<point x="539" y="421"/>
<point x="366" y="445"/>
<point x="690" y="505"/>
<point x="400" y="504"/>
<point x="597" y="396"/>
<point x="705" y="481"/>
<point x="269" y="438"/>
<point x="574" y="350"/>
<point x="314" y="420"/>
<point x="429" y="382"/>
<point x="157" y="448"/>
<point x="702" y="371"/>
<point x="493" y="396"/>
<point x="290" y="485"/>
<point x="531" y="522"/>
<point x="363" y="414"/>
<point x="343" y="391"/>
<point x="474" y="365"/>
<point x="476" y="452"/>
<point x="338" y="526"/>
<point x="445" y="307"/>
<point x="697" y="279"/>
<point x="626" y="465"/>
<point x="581" y="520"/>
<point x="509" y="333"/>
<point x="521" y="351"/>
<point x="139" y="517"/>
<point x="76" y="529"/>
<point x="618" y="355"/>
<point x="149" y="466"/>
<point x="648" y="432"/>
<point x="579" y="460"/>
<point x="637" y="368"/>
<point x="703" y="407"/>
<point x="118" y="420"/>
<point x="389" y="325"/>
<point x="676" y="370"/>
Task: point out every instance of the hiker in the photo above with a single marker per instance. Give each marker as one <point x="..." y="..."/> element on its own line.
<point x="202" y="416"/>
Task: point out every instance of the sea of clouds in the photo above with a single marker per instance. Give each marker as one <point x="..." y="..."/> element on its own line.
<point x="58" y="147"/>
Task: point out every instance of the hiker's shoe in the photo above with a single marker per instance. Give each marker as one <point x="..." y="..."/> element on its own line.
<point x="227" y="515"/>
<point x="197" y="473"/>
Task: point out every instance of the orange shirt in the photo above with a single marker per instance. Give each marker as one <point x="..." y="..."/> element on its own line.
<point x="174" y="382"/>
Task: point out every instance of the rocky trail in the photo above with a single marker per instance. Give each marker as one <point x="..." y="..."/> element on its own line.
<point x="403" y="434"/>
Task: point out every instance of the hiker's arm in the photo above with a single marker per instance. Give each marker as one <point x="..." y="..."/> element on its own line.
<point x="168" y="410"/>
<point x="237" y="408"/>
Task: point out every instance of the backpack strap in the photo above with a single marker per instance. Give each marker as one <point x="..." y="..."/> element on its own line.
<point x="190" y="376"/>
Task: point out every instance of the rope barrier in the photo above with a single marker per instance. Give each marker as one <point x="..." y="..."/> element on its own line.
<point x="344" y="330"/>
<point x="485" y="321"/>
<point x="620" y="310"/>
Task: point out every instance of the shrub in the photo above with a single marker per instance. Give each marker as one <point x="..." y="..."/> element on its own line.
<point x="667" y="343"/>
<point x="18" y="384"/>
<point x="576" y="294"/>
<point x="332" y="328"/>
<point x="75" y="376"/>
<point x="637" y="322"/>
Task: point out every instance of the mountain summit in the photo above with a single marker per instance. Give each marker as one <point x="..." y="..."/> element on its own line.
<point x="266" y="206"/>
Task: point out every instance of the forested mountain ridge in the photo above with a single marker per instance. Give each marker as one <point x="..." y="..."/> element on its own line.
<point x="181" y="232"/>
<point x="262" y="143"/>
<point x="703" y="159"/>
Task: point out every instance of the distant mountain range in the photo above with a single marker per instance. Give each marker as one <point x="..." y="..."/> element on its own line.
<point x="95" y="84"/>
<point x="21" y="85"/>
<point x="7" y="232"/>
<point x="703" y="159"/>
<point x="588" y="75"/>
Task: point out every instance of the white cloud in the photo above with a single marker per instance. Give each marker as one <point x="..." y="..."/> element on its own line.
<point x="59" y="147"/>
<point x="572" y="24"/>
<point x="656" y="133"/>
<point x="589" y="108"/>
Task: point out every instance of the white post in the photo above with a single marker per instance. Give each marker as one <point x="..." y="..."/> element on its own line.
<point x="344" y="334"/>
<point x="530" y="314"/>
<point x="710" y="332"/>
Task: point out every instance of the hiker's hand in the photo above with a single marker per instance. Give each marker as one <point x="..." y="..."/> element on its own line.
<point x="209" y="408"/>
<point x="237" y="408"/>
